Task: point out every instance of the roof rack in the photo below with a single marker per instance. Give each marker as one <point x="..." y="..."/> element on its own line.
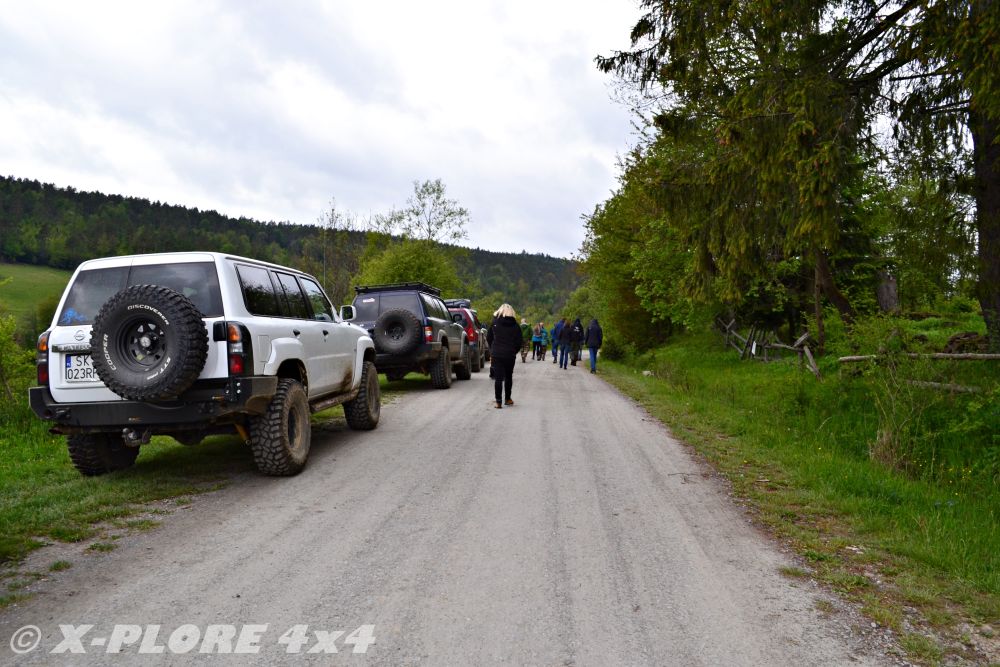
<point x="396" y="287"/>
<point x="458" y="303"/>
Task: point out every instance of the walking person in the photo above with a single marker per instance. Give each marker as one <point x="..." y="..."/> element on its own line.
<point x="576" y="340"/>
<point x="505" y="339"/>
<point x="556" y="331"/>
<point x="565" y="341"/>
<point x="543" y="342"/>
<point x="593" y="340"/>
<point x="525" y="339"/>
<point x="536" y="342"/>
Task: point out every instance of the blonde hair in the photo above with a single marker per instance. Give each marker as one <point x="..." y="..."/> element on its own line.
<point x="505" y="310"/>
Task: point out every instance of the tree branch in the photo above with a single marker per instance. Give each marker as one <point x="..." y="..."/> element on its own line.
<point x="876" y="32"/>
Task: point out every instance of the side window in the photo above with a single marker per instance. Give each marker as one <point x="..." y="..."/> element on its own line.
<point x="258" y="291"/>
<point x="430" y="307"/>
<point x="321" y="308"/>
<point x="443" y="309"/>
<point x="295" y="301"/>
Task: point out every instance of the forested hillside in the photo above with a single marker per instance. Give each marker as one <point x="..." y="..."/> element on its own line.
<point x="59" y="227"/>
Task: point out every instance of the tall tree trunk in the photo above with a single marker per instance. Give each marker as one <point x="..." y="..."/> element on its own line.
<point x="818" y="310"/>
<point x="986" y="154"/>
<point x="886" y="293"/>
<point x="825" y="281"/>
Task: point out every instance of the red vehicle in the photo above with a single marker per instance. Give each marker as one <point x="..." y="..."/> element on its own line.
<point x="475" y="332"/>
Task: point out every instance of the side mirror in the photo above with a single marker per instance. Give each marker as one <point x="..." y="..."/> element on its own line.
<point x="347" y="312"/>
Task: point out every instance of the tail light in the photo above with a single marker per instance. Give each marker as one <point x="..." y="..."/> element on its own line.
<point x="428" y="334"/>
<point x="42" y="359"/>
<point x="239" y="352"/>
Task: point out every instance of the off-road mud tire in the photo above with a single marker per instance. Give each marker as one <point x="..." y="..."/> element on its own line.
<point x="280" y="438"/>
<point x="188" y="438"/>
<point x="477" y="362"/>
<point x="148" y="343"/>
<point x="99" y="453"/>
<point x="463" y="371"/>
<point x="363" y="412"/>
<point x="441" y="370"/>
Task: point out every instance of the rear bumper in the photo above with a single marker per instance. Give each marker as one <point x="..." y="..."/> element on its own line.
<point x="209" y="405"/>
<point x="424" y="354"/>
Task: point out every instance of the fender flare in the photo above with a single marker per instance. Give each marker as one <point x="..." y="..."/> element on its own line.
<point x="282" y="349"/>
<point x="365" y="349"/>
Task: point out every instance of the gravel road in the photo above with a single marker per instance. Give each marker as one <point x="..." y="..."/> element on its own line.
<point x="569" y="529"/>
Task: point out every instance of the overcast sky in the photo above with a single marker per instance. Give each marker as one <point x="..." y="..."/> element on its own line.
<point x="269" y="109"/>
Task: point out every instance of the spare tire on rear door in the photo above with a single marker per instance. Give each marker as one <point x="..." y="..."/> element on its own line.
<point x="397" y="331"/>
<point x="148" y="343"/>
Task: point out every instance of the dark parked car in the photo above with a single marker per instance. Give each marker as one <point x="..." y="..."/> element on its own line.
<point x="413" y="331"/>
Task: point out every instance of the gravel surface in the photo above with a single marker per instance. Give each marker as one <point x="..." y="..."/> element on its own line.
<point x="568" y="529"/>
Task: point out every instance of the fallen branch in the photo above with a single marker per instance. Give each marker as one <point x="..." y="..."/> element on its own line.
<point x="964" y="356"/>
<point x="946" y="386"/>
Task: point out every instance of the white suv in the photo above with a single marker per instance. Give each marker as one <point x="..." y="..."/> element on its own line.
<point x="189" y="344"/>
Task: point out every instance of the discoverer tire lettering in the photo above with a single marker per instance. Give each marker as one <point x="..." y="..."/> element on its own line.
<point x="149" y="343"/>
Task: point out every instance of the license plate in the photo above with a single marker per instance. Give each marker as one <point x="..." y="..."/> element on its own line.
<point x="79" y="368"/>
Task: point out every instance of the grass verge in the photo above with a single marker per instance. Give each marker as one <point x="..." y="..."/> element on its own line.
<point x="918" y="554"/>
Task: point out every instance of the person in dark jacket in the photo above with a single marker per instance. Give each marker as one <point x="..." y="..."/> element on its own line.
<point x="556" y="344"/>
<point x="565" y="342"/>
<point x="575" y="341"/>
<point x="525" y="340"/>
<point x="505" y="341"/>
<point x="594" y="338"/>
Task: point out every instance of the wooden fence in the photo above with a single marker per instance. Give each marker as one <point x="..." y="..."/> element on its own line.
<point x="763" y="345"/>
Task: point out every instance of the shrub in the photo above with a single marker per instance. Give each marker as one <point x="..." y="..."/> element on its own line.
<point x="16" y="364"/>
<point x="614" y="349"/>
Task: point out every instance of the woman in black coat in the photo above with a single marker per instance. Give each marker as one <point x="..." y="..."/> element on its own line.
<point x="505" y="341"/>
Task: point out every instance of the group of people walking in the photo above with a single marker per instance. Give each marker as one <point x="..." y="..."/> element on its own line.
<point x="507" y="338"/>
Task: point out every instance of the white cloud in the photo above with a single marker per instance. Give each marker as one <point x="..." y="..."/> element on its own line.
<point x="269" y="111"/>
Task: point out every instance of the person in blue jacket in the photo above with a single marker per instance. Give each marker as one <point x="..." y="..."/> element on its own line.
<point x="543" y="340"/>
<point x="556" y="331"/>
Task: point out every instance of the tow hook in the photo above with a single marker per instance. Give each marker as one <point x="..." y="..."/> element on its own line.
<point x="134" y="438"/>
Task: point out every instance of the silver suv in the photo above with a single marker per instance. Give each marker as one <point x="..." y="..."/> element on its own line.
<point x="196" y="343"/>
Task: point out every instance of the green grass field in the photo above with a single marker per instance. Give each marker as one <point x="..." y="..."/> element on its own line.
<point x="799" y="451"/>
<point x="29" y="285"/>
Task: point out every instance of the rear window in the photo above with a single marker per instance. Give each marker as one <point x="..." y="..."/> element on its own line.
<point x="367" y="307"/>
<point x="197" y="281"/>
